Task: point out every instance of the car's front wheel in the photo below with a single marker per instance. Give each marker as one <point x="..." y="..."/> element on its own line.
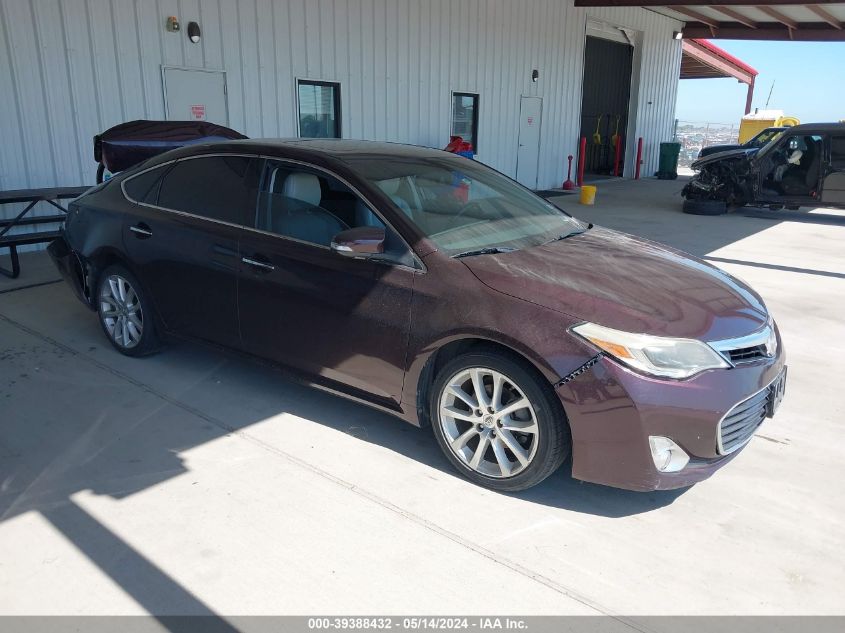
<point x="125" y="313"/>
<point x="497" y="421"/>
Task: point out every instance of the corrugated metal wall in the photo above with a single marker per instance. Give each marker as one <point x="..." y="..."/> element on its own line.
<point x="72" y="68"/>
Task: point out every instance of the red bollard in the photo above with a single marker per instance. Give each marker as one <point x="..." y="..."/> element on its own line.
<point x="639" y="157"/>
<point x="582" y="157"/>
<point x="618" y="155"/>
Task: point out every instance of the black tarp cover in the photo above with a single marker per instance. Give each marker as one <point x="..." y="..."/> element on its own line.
<point x="128" y="144"/>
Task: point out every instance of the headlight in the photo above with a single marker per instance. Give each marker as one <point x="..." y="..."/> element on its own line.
<point x="772" y="341"/>
<point x="655" y="355"/>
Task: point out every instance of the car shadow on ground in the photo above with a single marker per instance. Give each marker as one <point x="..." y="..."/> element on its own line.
<point x="562" y="491"/>
<point x="805" y="214"/>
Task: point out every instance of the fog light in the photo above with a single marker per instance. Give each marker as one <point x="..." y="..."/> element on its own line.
<point x="668" y="457"/>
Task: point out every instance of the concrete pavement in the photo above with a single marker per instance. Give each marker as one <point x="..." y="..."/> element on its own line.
<point x="194" y="481"/>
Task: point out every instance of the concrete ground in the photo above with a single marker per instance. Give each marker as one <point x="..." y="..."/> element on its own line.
<point x="196" y="482"/>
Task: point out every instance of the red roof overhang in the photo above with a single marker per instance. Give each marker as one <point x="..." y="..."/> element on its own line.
<point x="704" y="60"/>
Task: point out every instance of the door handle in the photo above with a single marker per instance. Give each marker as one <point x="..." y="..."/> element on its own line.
<point x="142" y="231"/>
<point x="258" y="264"/>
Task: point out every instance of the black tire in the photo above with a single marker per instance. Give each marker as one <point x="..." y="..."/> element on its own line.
<point x="695" y="206"/>
<point x="148" y="342"/>
<point x="553" y="443"/>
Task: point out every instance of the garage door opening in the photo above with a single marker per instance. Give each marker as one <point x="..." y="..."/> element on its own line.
<point x="606" y="93"/>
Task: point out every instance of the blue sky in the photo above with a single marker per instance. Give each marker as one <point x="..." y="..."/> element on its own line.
<point x="809" y="83"/>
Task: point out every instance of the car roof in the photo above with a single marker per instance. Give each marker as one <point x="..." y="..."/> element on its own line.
<point x="328" y="149"/>
<point x="818" y="127"/>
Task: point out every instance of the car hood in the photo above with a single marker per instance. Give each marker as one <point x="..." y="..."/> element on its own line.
<point x="717" y="149"/>
<point x="627" y="283"/>
<point x="743" y="152"/>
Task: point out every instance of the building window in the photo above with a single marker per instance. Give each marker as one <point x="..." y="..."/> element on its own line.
<point x="319" y="109"/>
<point x="465" y="117"/>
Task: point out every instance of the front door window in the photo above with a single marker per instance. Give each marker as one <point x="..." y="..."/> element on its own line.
<point x="795" y="167"/>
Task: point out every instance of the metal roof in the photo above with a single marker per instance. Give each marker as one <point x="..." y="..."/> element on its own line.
<point x="703" y="60"/>
<point x="821" y="21"/>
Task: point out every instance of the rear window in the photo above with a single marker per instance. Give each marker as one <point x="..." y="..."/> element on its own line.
<point x="144" y="187"/>
<point x="216" y="187"/>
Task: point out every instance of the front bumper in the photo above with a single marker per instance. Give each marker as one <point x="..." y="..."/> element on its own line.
<point x="612" y="412"/>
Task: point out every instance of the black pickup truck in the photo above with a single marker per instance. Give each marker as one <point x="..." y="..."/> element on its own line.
<point x="804" y="166"/>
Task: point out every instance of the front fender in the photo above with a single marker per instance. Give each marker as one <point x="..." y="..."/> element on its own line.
<point x="450" y="305"/>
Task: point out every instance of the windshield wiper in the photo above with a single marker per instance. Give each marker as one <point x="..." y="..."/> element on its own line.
<point x="573" y="234"/>
<point x="490" y="250"/>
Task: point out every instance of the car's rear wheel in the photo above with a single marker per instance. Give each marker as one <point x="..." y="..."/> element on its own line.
<point x="497" y="421"/>
<point x="125" y="314"/>
<point x="696" y="206"/>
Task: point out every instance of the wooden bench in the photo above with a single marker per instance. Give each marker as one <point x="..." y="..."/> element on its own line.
<point x="32" y="197"/>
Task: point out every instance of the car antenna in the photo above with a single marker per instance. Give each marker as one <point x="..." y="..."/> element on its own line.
<point x="770" y="94"/>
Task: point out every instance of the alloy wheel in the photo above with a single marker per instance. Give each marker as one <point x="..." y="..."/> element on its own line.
<point x="120" y="311"/>
<point x="488" y="422"/>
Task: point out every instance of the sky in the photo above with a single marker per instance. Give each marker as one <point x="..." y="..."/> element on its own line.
<point x="809" y="83"/>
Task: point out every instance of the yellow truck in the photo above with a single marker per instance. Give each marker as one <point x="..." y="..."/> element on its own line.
<point x="754" y="123"/>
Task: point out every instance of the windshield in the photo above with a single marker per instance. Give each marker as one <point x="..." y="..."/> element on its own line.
<point x="764" y="137"/>
<point x="463" y="206"/>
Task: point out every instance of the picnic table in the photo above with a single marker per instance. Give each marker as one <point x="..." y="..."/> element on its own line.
<point x="32" y="197"/>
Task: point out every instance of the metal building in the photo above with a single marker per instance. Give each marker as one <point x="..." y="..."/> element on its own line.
<point x="372" y="69"/>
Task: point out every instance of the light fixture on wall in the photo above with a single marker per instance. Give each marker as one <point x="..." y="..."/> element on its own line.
<point x="535" y="75"/>
<point x="678" y="35"/>
<point x="172" y="24"/>
<point x="194" y="32"/>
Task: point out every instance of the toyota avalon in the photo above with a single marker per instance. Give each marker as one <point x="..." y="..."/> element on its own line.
<point x="430" y="286"/>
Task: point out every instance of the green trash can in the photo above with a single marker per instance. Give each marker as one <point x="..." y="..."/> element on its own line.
<point x="668" y="165"/>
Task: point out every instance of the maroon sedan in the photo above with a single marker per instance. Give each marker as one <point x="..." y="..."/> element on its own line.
<point x="434" y="288"/>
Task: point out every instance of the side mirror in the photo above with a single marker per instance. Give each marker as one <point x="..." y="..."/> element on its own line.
<point x="360" y="242"/>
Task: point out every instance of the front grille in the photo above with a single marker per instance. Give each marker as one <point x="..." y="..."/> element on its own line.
<point x="739" y="424"/>
<point x="760" y="345"/>
<point x="745" y="354"/>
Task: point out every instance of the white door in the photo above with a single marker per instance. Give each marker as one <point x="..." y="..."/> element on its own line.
<point x="528" y="154"/>
<point x="196" y="95"/>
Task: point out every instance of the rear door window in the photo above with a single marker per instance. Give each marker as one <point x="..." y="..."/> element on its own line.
<point x="222" y="188"/>
<point x="144" y="187"/>
<point x="837" y="152"/>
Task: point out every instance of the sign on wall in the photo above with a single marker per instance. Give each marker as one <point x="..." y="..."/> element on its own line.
<point x="195" y="94"/>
